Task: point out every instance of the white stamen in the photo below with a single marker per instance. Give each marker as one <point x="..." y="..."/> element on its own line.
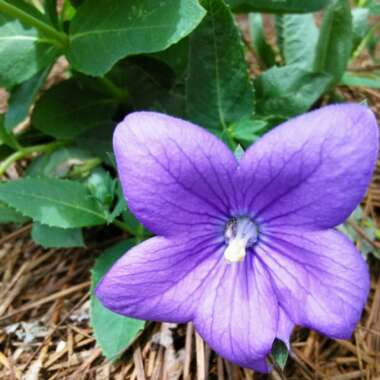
<point x="240" y="234"/>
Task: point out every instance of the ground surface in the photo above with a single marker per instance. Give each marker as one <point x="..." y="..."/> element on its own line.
<point x="45" y="331"/>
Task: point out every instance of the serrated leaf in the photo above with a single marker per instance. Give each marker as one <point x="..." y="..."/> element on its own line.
<point x="218" y="89"/>
<point x="277" y="6"/>
<point x="335" y="40"/>
<point x="299" y="36"/>
<point x="10" y="215"/>
<point x="52" y="201"/>
<point x="57" y="163"/>
<point x="113" y="332"/>
<point x="288" y="91"/>
<point x="22" y="98"/>
<point x="54" y="237"/>
<point x="279" y="353"/>
<point x="264" y="51"/>
<point x="102" y="33"/>
<point x="69" y="109"/>
<point x="23" y="51"/>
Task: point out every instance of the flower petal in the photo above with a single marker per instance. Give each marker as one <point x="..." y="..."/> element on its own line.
<point x="237" y="316"/>
<point x="176" y="176"/>
<point x="320" y="278"/>
<point x="313" y="170"/>
<point x="285" y="327"/>
<point x="160" y="279"/>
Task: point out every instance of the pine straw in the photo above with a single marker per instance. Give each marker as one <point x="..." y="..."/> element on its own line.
<point x="45" y="331"/>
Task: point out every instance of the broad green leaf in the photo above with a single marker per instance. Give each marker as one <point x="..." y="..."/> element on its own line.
<point x="113" y="332"/>
<point x="360" y="26"/>
<point x="219" y="91"/>
<point x="54" y="237"/>
<point x="22" y="98"/>
<point x="265" y="53"/>
<point x="175" y="57"/>
<point x="52" y="201"/>
<point x="335" y="40"/>
<point x="299" y="36"/>
<point x="10" y="215"/>
<point x="57" y="163"/>
<point x="143" y="84"/>
<point x="247" y="131"/>
<point x="288" y="91"/>
<point x="98" y="141"/>
<point x="371" y="80"/>
<point x="102" y="33"/>
<point x="69" y="109"/>
<point x="279" y="353"/>
<point x="24" y="52"/>
<point x="277" y="6"/>
<point x="7" y="137"/>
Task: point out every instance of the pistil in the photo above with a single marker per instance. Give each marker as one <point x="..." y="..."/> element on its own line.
<point x="240" y="234"/>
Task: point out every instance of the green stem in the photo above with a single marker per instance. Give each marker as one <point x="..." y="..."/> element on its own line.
<point x="61" y="38"/>
<point x="115" y="91"/>
<point x="25" y="152"/>
<point x="123" y="226"/>
<point x="365" y="41"/>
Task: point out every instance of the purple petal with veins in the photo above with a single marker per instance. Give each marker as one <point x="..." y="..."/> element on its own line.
<point x="246" y="249"/>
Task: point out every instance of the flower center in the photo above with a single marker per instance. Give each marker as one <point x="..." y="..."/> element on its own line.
<point x="240" y="233"/>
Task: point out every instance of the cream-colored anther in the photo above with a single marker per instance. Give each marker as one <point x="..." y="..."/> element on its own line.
<point x="236" y="250"/>
<point x="240" y="234"/>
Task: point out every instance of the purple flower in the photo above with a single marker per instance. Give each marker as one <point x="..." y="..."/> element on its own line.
<point x="245" y="249"/>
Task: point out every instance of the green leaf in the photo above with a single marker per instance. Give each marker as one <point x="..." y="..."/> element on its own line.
<point x="175" y="57"/>
<point x="299" y="36"/>
<point x="69" y="109"/>
<point x="57" y="163"/>
<point x="22" y="97"/>
<point x="102" y="186"/>
<point x="280" y="353"/>
<point x="7" y="137"/>
<point x="264" y="51"/>
<point x="113" y="332"/>
<point x="277" y="6"/>
<point x="50" y="7"/>
<point x="335" y="40"/>
<point x="371" y="80"/>
<point x="102" y="33"/>
<point x="52" y="201"/>
<point x="219" y="91"/>
<point x="10" y="215"/>
<point x="24" y="52"/>
<point x="54" y="237"/>
<point x="360" y="26"/>
<point x="98" y="141"/>
<point x="288" y="91"/>
<point x="247" y="131"/>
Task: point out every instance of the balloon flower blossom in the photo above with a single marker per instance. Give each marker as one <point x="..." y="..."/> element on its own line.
<point x="245" y="249"/>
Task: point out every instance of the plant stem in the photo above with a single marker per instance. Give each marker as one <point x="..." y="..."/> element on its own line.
<point x="123" y="226"/>
<point x="115" y="91"/>
<point x="61" y="38"/>
<point x="25" y="152"/>
<point x="365" y="41"/>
